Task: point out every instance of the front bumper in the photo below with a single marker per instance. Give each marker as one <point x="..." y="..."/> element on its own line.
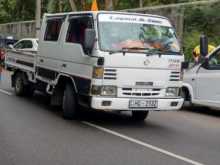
<point x="122" y="104"/>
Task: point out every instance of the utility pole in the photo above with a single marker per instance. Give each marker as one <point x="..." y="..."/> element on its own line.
<point x="38" y="17"/>
<point x="108" y="5"/>
<point x="61" y="6"/>
<point x="140" y="3"/>
<point x="73" y="5"/>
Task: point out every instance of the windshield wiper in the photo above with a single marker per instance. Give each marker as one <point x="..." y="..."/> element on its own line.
<point x="147" y="51"/>
<point x="171" y="52"/>
<point x="161" y="52"/>
<point x="134" y="50"/>
<point x="116" y="51"/>
<point x="154" y="52"/>
<point x="127" y="50"/>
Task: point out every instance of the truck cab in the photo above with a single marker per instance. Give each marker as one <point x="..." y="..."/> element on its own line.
<point x="112" y="61"/>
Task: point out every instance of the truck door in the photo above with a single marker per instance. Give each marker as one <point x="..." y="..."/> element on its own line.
<point x="207" y="80"/>
<point x="75" y="59"/>
<point x="48" y="58"/>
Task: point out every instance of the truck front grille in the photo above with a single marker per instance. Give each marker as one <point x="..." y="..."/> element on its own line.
<point x="136" y="92"/>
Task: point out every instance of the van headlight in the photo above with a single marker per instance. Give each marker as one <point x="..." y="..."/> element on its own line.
<point x="172" y="92"/>
<point x="104" y="90"/>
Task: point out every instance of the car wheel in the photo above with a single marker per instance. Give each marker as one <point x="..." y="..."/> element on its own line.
<point x="19" y="85"/>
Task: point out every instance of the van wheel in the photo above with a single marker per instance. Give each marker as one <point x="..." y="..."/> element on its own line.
<point x="19" y="85"/>
<point x="139" y="115"/>
<point x="69" y="103"/>
<point x="187" y="99"/>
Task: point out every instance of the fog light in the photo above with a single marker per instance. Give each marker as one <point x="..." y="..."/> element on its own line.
<point x="173" y="103"/>
<point x="106" y="103"/>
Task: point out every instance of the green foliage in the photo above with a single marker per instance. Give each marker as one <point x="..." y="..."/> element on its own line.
<point x="53" y="6"/>
<point x="7" y="10"/>
<point x="16" y="10"/>
<point x="191" y="40"/>
<point x="201" y="20"/>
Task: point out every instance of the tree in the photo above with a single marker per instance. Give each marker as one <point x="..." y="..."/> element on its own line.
<point x="73" y="5"/>
<point x="16" y="10"/>
<point x="108" y="4"/>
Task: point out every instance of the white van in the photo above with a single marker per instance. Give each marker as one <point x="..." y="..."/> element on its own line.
<point x="108" y="61"/>
<point x="201" y="82"/>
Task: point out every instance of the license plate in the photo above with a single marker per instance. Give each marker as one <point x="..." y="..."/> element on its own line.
<point x="143" y="104"/>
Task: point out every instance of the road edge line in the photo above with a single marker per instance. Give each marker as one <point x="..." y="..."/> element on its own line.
<point x="143" y="143"/>
<point x="5" y="92"/>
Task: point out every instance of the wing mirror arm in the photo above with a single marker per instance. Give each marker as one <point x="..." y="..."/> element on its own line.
<point x="205" y="64"/>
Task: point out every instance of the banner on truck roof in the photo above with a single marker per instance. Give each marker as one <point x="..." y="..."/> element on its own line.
<point x="128" y="18"/>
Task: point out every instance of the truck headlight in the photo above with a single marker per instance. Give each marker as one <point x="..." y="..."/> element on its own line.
<point x="96" y="90"/>
<point x="109" y="91"/>
<point x="104" y="90"/>
<point x="172" y="92"/>
<point x="98" y="72"/>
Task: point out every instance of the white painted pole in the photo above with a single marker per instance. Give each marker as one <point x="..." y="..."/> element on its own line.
<point x="140" y="3"/>
<point x="38" y="17"/>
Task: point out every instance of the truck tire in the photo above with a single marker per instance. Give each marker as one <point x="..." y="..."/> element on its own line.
<point x="139" y="115"/>
<point x="19" y="85"/>
<point x="69" y="103"/>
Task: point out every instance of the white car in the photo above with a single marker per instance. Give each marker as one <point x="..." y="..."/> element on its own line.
<point x="26" y="44"/>
<point x="202" y="82"/>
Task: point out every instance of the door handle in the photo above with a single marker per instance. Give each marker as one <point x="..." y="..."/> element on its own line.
<point x="64" y="65"/>
<point x="41" y="60"/>
<point x="193" y="79"/>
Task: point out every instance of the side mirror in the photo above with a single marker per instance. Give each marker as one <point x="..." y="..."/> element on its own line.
<point x="89" y="39"/>
<point x="203" y="45"/>
<point x="205" y="64"/>
<point x="11" y="46"/>
<point x="185" y="65"/>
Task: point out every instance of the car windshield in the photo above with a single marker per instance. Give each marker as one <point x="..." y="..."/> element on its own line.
<point x="137" y="37"/>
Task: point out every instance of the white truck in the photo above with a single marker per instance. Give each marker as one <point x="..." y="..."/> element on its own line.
<point x="112" y="61"/>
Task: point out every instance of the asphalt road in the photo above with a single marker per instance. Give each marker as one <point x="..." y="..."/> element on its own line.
<point x="33" y="133"/>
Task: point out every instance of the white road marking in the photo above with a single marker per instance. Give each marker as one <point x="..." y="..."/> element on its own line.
<point x="6" y="92"/>
<point x="144" y="144"/>
<point x="132" y="140"/>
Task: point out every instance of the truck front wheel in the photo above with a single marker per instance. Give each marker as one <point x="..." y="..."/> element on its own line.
<point x="139" y="115"/>
<point x="69" y="103"/>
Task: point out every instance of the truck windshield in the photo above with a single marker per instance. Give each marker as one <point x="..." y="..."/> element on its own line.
<point x="137" y="37"/>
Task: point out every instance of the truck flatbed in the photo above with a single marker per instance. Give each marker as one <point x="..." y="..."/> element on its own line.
<point x="24" y="60"/>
